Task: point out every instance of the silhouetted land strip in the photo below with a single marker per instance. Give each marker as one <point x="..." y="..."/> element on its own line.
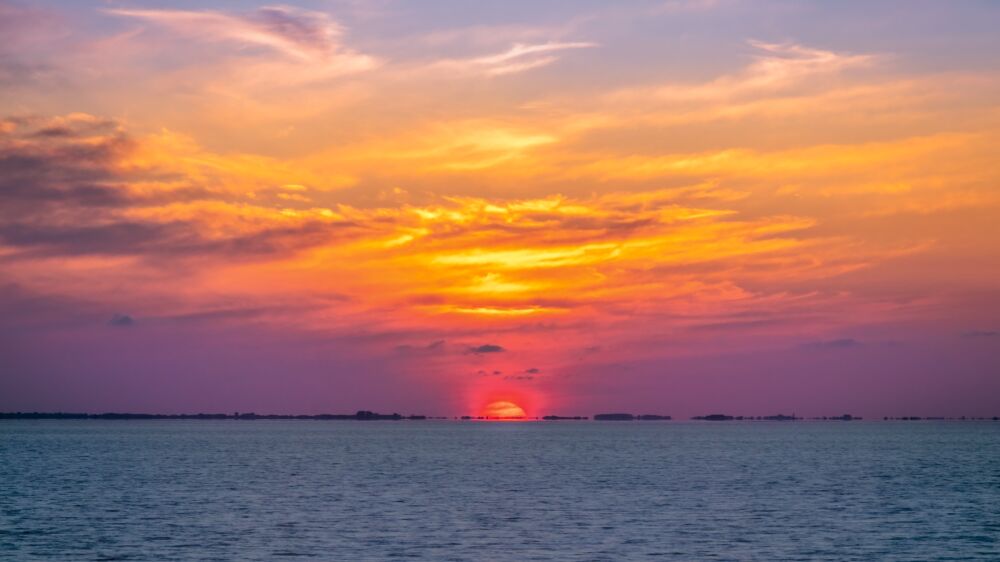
<point x="614" y="417"/>
<point x="367" y="415"/>
<point x="631" y="417"/>
<point x="362" y="415"/>
<point x="776" y="417"/>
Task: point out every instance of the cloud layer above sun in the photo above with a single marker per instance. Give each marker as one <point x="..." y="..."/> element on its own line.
<point x="429" y="206"/>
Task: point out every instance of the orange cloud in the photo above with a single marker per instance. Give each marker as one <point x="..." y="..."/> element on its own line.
<point x="396" y="201"/>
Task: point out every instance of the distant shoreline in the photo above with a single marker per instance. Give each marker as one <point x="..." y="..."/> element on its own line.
<point x="366" y="415"/>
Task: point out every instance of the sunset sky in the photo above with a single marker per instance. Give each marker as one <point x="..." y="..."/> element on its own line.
<point x="674" y="207"/>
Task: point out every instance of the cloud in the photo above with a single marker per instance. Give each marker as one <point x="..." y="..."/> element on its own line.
<point x="111" y="198"/>
<point x="685" y="6"/>
<point x="121" y="321"/>
<point x="300" y="35"/>
<point x="485" y="36"/>
<point x="737" y="325"/>
<point x="28" y="32"/>
<point x="518" y="58"/>
<point x="841" y="343"/>
<point x="69" y="187"/>
<point x="433" y="348"/>
<point x="180" y="239"/>
<point x="781" y="63"/>
<point x="532" y="371"/>
<point x="980" y="334"/>
<point x="476" y="266"/>
<point x="60" y="161"/>
<point x="775" y="68"/>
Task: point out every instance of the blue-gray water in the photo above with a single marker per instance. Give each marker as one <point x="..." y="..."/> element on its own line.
<point x="272" y="490"/>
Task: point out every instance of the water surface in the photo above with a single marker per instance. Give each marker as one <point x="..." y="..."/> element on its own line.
<point x="345" y="490"/>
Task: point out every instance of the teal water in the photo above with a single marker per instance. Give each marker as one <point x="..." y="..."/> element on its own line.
<point x="314" y="490"/>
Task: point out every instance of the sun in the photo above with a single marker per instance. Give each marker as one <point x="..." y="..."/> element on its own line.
<point x="503" y="409"/>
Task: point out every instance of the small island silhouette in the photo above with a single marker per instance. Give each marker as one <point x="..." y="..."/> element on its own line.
<point x="631" y="417"/>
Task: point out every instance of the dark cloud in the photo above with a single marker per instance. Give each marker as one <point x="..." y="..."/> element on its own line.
<point x="735" y="325"/>
<point x="72" y="165"/>
<point x="223" y="314"/>
<point x="980" y="334"/>
<point x="306" y="29"/>
<point x="532" y="371"/>
<point x="56" y="164"/>
<point x="173" y="239"/>
<point x="487" y="348"/>
<point x="121" y="320"/>
<point x="63" y="193"/>
<point x="841" y="343"/>
<point x="180" y="239"/>
<point x="110" y="239"/>
<point x="433" y="348"/>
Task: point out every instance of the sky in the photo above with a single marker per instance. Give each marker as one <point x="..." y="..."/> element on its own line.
<point x="672" y="207"/>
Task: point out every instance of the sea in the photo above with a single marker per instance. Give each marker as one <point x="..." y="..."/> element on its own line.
<point x="164" y="490"/>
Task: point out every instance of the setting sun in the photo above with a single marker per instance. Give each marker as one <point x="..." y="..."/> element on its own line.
<point x="503" y="409"/>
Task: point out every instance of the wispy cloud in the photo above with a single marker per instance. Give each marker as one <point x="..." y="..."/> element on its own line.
<point x="685" y="6"/>
<point x="121" y="320"/>
<point x="301" y="35"/>
<point x="781" y="63"/>
<point x="26" y="32"/>
<point x="774" y="67"/>
<point x="518" y="58"/>
<point x="487" y="348"/>
<point x="840" y="343"/>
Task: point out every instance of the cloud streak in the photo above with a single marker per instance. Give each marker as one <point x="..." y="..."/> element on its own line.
<point x="300" y="35"/>
<point x="520" y="57"/>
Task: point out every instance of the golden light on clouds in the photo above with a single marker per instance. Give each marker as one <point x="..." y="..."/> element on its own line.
<point x="562" y="191"/>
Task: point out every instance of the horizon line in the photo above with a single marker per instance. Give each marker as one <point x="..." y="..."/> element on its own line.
<point x="365" y="415"/>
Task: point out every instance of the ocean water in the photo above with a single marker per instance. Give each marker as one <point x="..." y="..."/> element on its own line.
<point x="436" y="490"/>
